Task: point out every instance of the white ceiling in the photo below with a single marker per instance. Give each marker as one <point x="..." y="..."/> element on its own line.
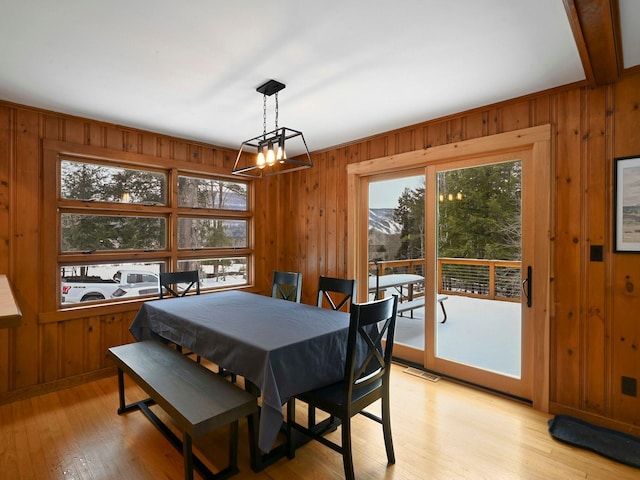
<point x="353" y="68"/>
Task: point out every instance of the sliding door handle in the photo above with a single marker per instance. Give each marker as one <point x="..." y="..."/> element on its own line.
<point x="526" y="287"/>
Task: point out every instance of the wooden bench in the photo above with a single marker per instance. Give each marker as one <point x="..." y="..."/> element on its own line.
<point x="197" y="399"/>
<point x="411" y="305"/>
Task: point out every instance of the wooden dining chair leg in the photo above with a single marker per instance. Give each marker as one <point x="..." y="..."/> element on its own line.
<point x="347" y="456"/>
<point x="386" y="429"/>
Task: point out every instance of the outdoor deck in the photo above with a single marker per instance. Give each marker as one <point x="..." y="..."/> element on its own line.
<point x="480" y="332"/>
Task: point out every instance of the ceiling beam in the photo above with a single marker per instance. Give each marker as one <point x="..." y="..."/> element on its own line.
<point x="596" y="29"/>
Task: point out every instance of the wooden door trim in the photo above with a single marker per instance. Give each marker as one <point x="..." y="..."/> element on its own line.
<point x="539" y="141"/>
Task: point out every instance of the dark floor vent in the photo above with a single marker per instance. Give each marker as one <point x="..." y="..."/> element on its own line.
<point x="422" y="374"/>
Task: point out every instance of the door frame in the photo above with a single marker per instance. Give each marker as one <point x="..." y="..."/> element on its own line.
<point x="538" y="140"/>
<point x="522" y="386"/>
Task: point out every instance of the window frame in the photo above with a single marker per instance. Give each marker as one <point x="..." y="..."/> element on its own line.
<point x="54" y="206"/>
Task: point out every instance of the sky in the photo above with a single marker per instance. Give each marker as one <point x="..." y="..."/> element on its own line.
<point x="384" y="194"/>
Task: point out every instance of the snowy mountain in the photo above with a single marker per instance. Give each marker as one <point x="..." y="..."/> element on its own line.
<point x="381" y="220"/>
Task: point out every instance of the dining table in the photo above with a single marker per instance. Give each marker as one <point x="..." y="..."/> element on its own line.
<point x="282" y="348"/>
<point x="404" y="286"/>
<point x="398" y="281"/>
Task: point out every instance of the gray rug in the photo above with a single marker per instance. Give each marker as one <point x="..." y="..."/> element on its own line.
<point x="612" y="444"/>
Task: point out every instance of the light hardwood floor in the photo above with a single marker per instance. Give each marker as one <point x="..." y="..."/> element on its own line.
<point x="441" y="430"/>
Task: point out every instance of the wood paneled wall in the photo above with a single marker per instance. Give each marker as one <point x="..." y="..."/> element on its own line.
<point x="595" y="324"/>
<point x="54" y="349"/>
<point x="301" y="225"/>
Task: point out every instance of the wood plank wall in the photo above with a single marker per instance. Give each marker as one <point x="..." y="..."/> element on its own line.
<point x="301" y="225"/>
<point x="595" y="335"/>
<point x="39" y="356"/>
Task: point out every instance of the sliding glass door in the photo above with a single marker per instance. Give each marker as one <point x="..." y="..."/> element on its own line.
<point x="448" y="240"/>
<point x="473" y="275"/>
<point x="479" y="261"/>
<point x="396" y="242"/>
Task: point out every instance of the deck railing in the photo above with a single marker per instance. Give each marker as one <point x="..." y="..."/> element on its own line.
<point x="490" y="279"/>
<point x="387" y="267"/>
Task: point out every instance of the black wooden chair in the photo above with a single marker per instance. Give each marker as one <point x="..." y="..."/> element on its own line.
<point x="337" y="292"/>
<point x="169" y="282"/>
<point x="365" y="380"/>
<point x="169" y="286"/>
<point x="287" y="286"/>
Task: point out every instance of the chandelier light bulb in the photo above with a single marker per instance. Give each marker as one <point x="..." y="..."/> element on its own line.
<point x="271" y="157"/>
<point x="260" y="162"/>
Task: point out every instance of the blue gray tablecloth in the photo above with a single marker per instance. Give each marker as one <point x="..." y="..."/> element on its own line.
<point x="284" y="348"/>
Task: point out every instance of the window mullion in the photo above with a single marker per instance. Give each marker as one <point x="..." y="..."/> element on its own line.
<point x="172" y="196"/>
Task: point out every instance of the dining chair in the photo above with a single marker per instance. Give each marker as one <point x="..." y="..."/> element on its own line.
<point x="287" y="286"/>
<point x="337" y="292"/>
<point x="365" y="380"/>
<point x="169" y="282"/>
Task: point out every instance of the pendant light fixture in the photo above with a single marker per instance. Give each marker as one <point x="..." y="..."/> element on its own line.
<point x="279" y="151"/>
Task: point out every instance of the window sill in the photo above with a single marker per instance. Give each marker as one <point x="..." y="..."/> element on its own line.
<point x="110" y="308"/>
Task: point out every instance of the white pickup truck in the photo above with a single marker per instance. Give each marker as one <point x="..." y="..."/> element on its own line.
<point x="92" y="288"/>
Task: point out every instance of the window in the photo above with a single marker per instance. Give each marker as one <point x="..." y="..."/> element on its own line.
<point x="198" y="192"/>
<point x="218" y="272"/>
<point x="108" y="281"/>
<point x="121" y="225"/>
<point x="211" y="233"/>
<point x="90" y="232"/>
<point x="94" y="182"/>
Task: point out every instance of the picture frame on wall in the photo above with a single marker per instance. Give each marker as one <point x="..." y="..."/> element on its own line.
<point x="626" y="189"/>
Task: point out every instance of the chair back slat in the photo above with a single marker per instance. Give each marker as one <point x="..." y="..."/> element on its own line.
<point x="169" y="282"/>
<point x="338" y="292"/>
<point x="287" y="286"/>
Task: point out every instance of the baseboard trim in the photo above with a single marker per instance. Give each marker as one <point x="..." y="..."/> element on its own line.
<point x="41" y="389"/>
<point x="594" y="418"/>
